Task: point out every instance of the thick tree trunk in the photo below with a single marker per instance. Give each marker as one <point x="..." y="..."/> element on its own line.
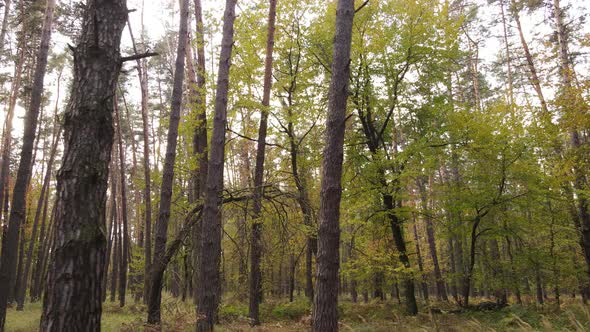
<point x="256" y="239"/>
<point x="209" y="278"/>
<point x="325" y="314"/>
<point x="74" y="292"/>
<point x="17" y="212"/>
<point x="168" y="171"/>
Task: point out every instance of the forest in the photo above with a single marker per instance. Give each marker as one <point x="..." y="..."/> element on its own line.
<point x="282" y="165"/>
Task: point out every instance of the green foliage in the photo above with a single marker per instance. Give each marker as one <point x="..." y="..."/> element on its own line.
<point x="291" y="310"/>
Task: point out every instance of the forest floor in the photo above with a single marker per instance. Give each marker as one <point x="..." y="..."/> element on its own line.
<point x="375" y="316"/>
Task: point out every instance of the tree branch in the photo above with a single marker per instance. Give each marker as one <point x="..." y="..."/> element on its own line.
<point x="138" y="56"/>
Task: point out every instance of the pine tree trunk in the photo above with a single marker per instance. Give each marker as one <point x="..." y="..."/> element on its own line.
<point x="142" y="74"/>
<point x="41" y="207"/>
<point x="4" y="24"/>
<point x="256" y="239"/>
<point x="209" y="278"/>
<point x="17" y="212"/>
<point x="325" y="314"/>
<point x="74" y="293"/>
<point x="533" y="76"/>
<point x="6" y="147"/>
<point x="198" y="98"/>
<point x="123" y="186"/>
<point x="156" y="277"/>
<point x="110" y="234"/>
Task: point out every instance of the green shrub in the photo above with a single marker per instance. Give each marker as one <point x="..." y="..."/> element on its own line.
<point x="233" y="312"/>
<point x="291" y="310"/>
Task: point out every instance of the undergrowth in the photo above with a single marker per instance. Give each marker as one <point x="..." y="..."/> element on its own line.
<point x="375" y="316"/>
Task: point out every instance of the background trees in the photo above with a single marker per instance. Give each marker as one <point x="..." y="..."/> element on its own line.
<point x="464" y="174"/>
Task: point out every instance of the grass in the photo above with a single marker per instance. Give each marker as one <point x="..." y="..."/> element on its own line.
<point x="375" y="316"/>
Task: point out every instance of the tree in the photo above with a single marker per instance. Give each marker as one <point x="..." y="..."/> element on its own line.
<point x="325" y="314"/>
<point x="256" y="240"/>
<point x="168" y="171"/>
<point x="17" y="212"/>
<point x="73" y="298"/>
<point x="210" y="255"/>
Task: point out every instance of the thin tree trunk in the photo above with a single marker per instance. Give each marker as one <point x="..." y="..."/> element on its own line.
<point x="4" y="24"/>
<point x="198" y="96"/>
<point x="110" y="234"/>
<point x="142" y="74"/>
<point x="123" y="186"/>
<point x="74" y="293"/>
<point x="7" y="145"/>
<point x="423" y="283"/>
<point x="41" y="206"/>
<point x="440" y="286"/>
<point x="256" y="240"/>
<point x="533" y="76"/>
<point x="18" y="207"/>
<point x="209" y="278"/>
<point x="157" y="275"/>
<point x="325" y="314"/>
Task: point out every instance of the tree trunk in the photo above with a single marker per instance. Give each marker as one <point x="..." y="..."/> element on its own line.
<point x="209" y="278"/>
<point x="256" y="240"/>
<point x="572" y="99"/>
<point x="5" y="167"/>
<point x="197" y="98"/>
<point x="42" y="249"/>
<point x="440" y="286"/>
<point x="168" y="171"/>
<point x="74" y="292"/>
<point x="325" y="314"/>
<point x="147" y="191"/>
<point x="110" y="234"/>
<point x="41" y="203"/>
<point x="123" y="190"/>
<point x="533" y="77"/>
<point x="4" y="24"/>
<point x="17" y="212"/>
<point x="423" y="283"/>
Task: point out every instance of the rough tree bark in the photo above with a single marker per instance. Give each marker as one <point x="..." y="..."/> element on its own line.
<point x="17" y="212"/>
<point x="73" y="296"/>
<point x="210" y="256"/>
<point x="156" y="277"/>
<point x="256" y="240"/>
<point x="325" y="314"/>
